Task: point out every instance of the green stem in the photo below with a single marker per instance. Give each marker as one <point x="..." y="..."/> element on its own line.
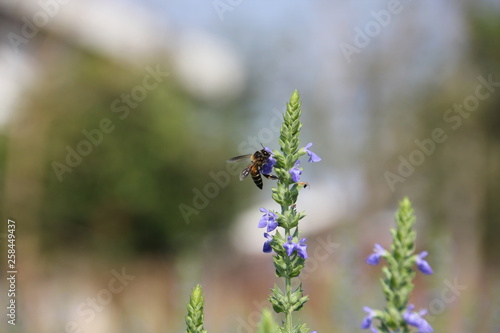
<point x="288" y="290"/>
<point x="288" y="316"/>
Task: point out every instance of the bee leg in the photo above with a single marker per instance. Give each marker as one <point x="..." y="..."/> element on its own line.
<point x="305" y="184"/>
<point x="270" y="176"/>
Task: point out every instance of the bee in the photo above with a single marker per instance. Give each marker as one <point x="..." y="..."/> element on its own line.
<point x="259" y="159"/>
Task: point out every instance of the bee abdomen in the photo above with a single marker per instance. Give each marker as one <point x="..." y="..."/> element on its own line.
<point x="257" y="179"/>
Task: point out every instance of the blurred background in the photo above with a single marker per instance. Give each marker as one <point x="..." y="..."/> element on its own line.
<point x="117" y="117"/>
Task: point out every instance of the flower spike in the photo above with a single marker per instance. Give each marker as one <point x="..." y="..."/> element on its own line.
<point x="397" y="277"/>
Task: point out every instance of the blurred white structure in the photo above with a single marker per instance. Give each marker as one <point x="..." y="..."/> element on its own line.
<point x="127" y="32"/>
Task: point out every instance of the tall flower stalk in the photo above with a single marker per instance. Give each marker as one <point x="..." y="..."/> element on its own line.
<point x="398" y="316"/>
<point x="290" y="250"/>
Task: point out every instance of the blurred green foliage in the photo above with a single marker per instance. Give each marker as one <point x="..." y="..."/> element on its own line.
<point x="267" y="323"/>
<point x="124" y="196"/>
<point x="484" y="27"/>
<point x="3" y="155"/>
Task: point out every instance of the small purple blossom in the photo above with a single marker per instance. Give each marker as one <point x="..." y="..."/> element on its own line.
<point x="295" y="172"/>
<point x="368" y="320"/>
<point x="312" y="156"/>
<point x="378" y="252"/>
<point x="422" y="264"/>
<point x="267" y="244"/>
<point x="271" y="161"/>
<point x="289" y="246"/>
<point x="415" y="319"/>
<point x="268" y="219"/>
<point x="301" y="248"/>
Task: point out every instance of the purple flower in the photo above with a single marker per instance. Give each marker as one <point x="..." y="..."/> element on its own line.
<point x="289" y="246"/>
<point x="312" y="156"/>
<point x="271" y="161"/>
<point x="415" y="319"/>
<point x="268" y="219"/>
<point x="267" y="244"/>
<point x="368" y="320"/>
<point x="378" y="252"/>
<point x="422" y="264"/>
<point x="295" y="172"/>
<point x="301" y="247"/>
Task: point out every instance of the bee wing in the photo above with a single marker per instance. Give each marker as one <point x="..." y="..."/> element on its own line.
<point x="244" y="174"/>
<point x="238" y="158"/>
